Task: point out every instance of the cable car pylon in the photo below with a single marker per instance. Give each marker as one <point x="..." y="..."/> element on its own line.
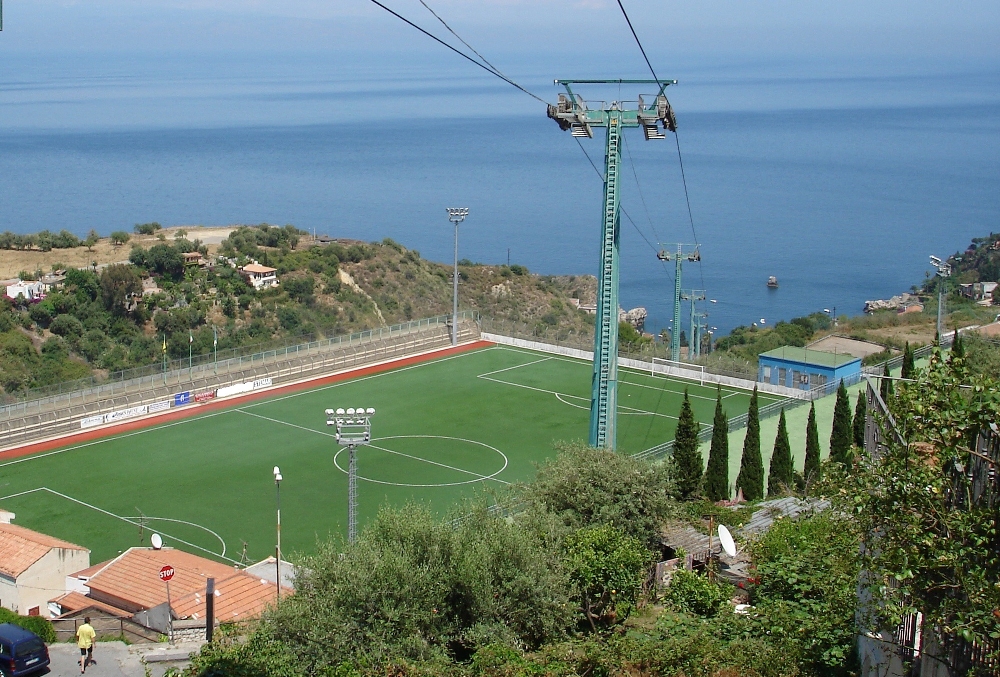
<point x="572" y="114"/>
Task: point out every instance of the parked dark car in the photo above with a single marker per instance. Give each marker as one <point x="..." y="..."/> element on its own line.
<point x="22" y="652"/>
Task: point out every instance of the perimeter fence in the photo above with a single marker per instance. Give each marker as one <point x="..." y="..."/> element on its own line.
<point x="151" y="392"/>
<point x="976" y="483"/>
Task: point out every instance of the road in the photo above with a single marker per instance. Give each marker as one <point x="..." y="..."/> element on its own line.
<point x="115" y="659"/>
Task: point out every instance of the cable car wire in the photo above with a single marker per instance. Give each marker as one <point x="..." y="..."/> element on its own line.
<point x="462" y="54"/>
<point x="680" y="158"/>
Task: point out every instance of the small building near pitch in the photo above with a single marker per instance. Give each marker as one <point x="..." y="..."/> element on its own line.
<point x="806" y="369"/>
<point x="34" y="566"/>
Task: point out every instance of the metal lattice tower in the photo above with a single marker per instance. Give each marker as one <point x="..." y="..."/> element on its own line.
<point x="571" y="113"/>
<point x="677" y="257"/>
<point x="693" y="295"/>
<point x="354" y="429"/>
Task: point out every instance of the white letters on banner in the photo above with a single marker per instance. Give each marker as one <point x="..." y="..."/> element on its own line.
<point x="131" y="412"/>
<point x="159" y="406"/>
<point x="91" y="421"/>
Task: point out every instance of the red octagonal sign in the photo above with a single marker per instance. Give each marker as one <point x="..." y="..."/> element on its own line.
<point x="166" y="573"/>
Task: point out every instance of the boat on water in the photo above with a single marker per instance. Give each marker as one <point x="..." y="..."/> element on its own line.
<point x="772" y="282"/>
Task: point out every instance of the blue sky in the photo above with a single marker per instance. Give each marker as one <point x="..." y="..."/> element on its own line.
<point x="524" y="31"/>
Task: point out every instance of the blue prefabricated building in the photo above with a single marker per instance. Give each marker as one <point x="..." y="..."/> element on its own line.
<point x="806" y="369"/>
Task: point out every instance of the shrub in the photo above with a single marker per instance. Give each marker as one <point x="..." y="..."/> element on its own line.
<point x="695" y="594"/>
<point x="36" y="624"/>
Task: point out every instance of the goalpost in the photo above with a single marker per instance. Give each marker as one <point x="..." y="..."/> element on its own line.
<point x="664" y="367"/>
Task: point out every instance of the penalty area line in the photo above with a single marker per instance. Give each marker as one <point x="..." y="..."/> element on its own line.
<point x="132" y="522"/>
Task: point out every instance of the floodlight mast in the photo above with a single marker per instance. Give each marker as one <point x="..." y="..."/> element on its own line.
<point x="456" y="215"/>
<point x="354" y="429"/>
<point x="572" y="114"/>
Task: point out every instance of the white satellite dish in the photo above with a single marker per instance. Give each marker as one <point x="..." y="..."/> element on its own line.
<point x="726" y="538"/>
<point x="156" y="541"/>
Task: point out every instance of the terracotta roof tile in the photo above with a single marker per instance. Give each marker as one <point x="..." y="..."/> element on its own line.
<point x="91" y="570"/>
<point x="75" y="601"/>
<point x="257" y="268"/>
<point x="20" y="548"/>
<point x="134" y="575"/>
<point x="238" y="597"/>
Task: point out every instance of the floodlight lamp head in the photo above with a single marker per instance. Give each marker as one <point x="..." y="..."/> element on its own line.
<point x="350" y="411"/>
<point x="340" y="412"/>
<point x="370" y="411"/>
<point x="278" y="478"/>
<point x="329" y="412"/>
<point x="276" y="472"/>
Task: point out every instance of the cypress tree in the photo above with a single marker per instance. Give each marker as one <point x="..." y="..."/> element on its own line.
<point x="717" y="476"/>
<point x="841" y="436"/>
<point x="909" y="369"/>
<point x="957" y="347"/>
<point x="781" y="474"/>
<point x="811" y="471"/>
<point x="751" y="477"/>
<point x="885" y="387"/>
<point x="860" y="413"/>
<point x="686" y="455"/>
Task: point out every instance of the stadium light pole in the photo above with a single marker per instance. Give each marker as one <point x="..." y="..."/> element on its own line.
<point x="277" y="550"/>
<point x="354" y="429"/>
<point x="456" y="215"/>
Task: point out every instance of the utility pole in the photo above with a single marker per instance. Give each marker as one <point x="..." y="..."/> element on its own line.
<point x="572" y="114"/>
<point x="456" y="215"/>
<point x="678" y="257"/>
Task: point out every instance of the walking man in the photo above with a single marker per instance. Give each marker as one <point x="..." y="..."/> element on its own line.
<point x="85" y="637"/>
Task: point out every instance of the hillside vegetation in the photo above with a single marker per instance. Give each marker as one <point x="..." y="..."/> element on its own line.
<point x="101" y="321"/>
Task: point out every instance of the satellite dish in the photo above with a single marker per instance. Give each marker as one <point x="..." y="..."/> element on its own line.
<point x="726" y="538"/>
<point x="156" y="541"/>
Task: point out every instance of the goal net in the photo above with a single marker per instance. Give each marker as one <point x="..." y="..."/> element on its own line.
<point x="664" y="367"/>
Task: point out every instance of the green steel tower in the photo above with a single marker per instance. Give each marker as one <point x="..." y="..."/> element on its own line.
<point x="572" y="113"/>
<point x="675" y="330"/>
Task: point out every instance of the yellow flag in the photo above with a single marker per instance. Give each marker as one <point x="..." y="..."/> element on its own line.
<point x="164" y="343"/>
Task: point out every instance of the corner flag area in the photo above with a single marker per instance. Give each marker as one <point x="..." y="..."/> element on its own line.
<point x="445" y="428"/>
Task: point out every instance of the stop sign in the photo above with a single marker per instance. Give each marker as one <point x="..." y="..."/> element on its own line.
<point x="166" y="573"/>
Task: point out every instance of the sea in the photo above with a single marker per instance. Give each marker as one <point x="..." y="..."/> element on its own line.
<point x="839" y="184"/>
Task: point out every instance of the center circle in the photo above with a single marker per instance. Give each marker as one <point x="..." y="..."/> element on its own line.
<point x="478" y="477"/>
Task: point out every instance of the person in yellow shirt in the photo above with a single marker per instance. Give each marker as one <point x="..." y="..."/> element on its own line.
<point x="85" y="637"/>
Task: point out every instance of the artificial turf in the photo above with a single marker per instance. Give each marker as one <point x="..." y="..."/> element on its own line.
<point x="444" y="429"/>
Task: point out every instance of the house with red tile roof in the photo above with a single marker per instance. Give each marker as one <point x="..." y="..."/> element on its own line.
<point x="33" y="568"/>
<point x="129" y="586"/>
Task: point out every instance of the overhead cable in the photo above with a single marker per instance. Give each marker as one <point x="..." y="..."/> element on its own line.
<point x="680" y="158"/>
<point x="484" y="66"/>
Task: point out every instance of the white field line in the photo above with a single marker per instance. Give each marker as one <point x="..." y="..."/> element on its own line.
<point x="320" y="432"/>
<point x="34" y="457"/>
<point x="516" y="366"/>
<point x="624" y="370"/>
<point x="363" y="378"/>
<point x="633" y="410"/>
<point x="192" y="419"/>
<point x="449" y="467"/>
<point x="129" y="521"/>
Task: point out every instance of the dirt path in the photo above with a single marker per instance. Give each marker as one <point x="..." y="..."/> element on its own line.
<point x="13" y="262"/>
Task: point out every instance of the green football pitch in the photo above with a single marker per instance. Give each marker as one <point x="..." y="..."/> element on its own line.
<point x="444" y="429"/>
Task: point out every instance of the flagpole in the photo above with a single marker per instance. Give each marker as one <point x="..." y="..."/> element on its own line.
<point x="190" y="346"/>
<point x="215" y="346"/>
<point x="164" y="359"/>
